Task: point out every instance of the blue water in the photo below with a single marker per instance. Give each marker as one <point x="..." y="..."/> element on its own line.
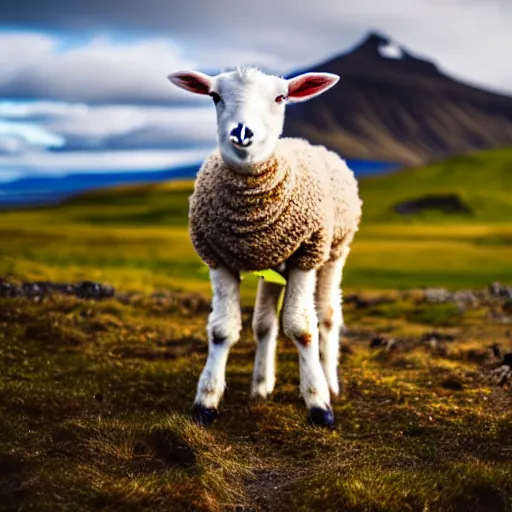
<point x="368" y="167"/>
<point x="43" y="190"/>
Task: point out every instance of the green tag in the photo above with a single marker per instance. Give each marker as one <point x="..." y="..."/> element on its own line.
<point x="271" y="276"/>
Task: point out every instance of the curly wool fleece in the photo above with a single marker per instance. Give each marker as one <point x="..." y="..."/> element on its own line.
<point x="301" y="206"/>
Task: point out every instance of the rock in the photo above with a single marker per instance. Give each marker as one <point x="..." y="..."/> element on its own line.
<point x="463" y="299"/>
<point x="446" y="203"/>
<point x="436" y="295"/>
<point x="429" y="337"/>
<point x="498" y="317"/>
<point x="92" y="290"/>
<point x="500" y="290"/>
<point x="8" y="290"/>
<point x="361" y="302"/>
<point x="502" y="374"/>
<point x="67" y="289"/>
<point x="38" y="289"/>
<point x="33" y="290"/>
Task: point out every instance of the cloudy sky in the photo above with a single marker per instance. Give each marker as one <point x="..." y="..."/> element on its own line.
<point x="83" y="84"/>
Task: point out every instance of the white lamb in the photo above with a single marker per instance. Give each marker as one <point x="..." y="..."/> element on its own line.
<point x="263" y="202"/>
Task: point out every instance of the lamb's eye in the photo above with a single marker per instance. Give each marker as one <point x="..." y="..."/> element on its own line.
<point x="280" y="98"/>
<point x="216" y="97"/>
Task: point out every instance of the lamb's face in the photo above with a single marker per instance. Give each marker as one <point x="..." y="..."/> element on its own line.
<point x="250" y="108"/>
<point x="250" y="115"/>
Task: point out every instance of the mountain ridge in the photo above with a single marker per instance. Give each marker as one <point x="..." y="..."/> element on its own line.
<point x="394" y="106"/>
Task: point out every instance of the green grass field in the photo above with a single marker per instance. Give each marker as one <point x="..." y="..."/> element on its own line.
<point x="95" y="395"/>
<point x="136" y="237"/>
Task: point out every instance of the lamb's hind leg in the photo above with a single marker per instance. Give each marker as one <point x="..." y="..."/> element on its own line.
<point x="224" y="326"/>
<point x="265" y="324"/>
<point x="330" y="317"/>
<point x="300" y="324"/>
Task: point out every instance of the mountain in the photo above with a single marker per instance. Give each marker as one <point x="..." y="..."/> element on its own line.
<point x="393" y="106"/>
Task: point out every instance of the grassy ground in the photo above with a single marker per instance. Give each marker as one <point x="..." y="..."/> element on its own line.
<point x="482" y="180"/>
<point x="95" y="396"/>
<point x="137" y="236"/>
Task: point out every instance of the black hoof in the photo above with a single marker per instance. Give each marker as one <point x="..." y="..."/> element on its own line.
<point x="204" y="416"/>
<point x="321" y="417"/>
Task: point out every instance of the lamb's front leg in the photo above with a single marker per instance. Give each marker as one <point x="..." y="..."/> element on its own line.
<point x="224" y="326"/>
<point x="301" y="325"/>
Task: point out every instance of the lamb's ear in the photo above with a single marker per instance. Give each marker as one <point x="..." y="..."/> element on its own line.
<point x="193" y="81"/>
<point x="309" y="85"/>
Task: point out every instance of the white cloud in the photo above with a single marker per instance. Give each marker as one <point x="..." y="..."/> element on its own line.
<point x="32" y="134"/>
<point x="20" y="51"/>
<point x="11" y="144"/>
<point x="469" y="39"/>
<point x="20" y="109"/>
<point x="109" y="126"/>
<point x="106" y="138"/>
<point x="97" y="126"/>
<point x="39" y="66"/>
<point x="97" y="93"/>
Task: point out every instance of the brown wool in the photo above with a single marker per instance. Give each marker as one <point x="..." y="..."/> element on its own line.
<point x="301" y="205"/>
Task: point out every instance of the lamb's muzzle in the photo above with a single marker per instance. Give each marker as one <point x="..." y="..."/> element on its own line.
<point x="241" y="136"/>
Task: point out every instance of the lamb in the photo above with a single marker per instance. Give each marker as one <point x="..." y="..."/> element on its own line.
<point x="265" y="202"/>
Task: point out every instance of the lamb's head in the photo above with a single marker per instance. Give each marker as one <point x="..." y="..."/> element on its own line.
<point x="250" y="107"/>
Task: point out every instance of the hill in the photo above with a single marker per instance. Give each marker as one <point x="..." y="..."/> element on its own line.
<point x="393" y="106"/>
<point x="135" y="237"/>
<point x="483" y="181"/>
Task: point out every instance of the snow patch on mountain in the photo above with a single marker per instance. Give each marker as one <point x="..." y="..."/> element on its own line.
<point x="391" y="50"/>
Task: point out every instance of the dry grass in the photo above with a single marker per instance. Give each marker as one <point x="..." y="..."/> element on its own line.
<point x="95" y="396"/>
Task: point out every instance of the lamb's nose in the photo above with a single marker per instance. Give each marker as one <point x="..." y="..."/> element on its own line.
<point x="241" y="135"/>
